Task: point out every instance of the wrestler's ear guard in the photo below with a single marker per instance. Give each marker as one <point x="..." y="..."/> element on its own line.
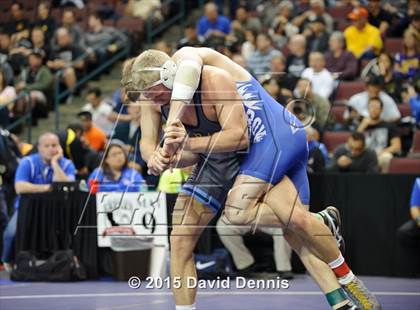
<point x="167" y="74"/>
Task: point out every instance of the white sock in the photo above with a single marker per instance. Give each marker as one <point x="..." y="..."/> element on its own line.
<point x="185" y="307"/>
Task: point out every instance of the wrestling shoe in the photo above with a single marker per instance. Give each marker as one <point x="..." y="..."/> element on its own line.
<point x="332" y="219"/>
<point x="361" y="296"/>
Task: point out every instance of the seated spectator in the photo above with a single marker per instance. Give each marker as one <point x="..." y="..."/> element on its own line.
<point x="379" y="17"/>
<point x="281" y="27"/>
<point x="7" y="95"/>
<point x="67" y="57"/>
<point x="130" y="134"/>
<point x="381" y="136"/>
<point x="190" y="37"/>
<point x="18" y="26"/>
<point x="38" y="41"/>
<point x="212" y="23"/>
<point x="321" y="79"/>
<point x="272" y="87"/>
<point x="115" y="175"/>
<point x="249" y="46"/>
<point x="243" y="22"/>
<point x="319" y="106"/>
<point x="407" y="63"/>
<point x="259" y="62"/>
<point x="68" y="21"/>
<point x="102" y="41"/>
<point x="362" y="39"/>
<point x="35" y="174"/>
<point x="316" y="35"/>
<point x="74" y="148"/>
<point x="359" y="102"/>
<point x="409" y="233"/>
<point x="354" y="156"/>
<point x="317" y="9"/>
<point x="94" y="137"/>
<point x="415" y="24"/>
<point x="285" y="81"/>
<point x="44" y="20"/>
<point x="5" y="65"/>
<point x="318" y="153"/>
<point x="100" y="110"/>
<point x="341" y="63"/>
<point x="38" y="81"/>
<point x="297" y="60"/>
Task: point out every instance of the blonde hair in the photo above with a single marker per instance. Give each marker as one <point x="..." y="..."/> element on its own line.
<point x="127" y="78"/>
<point x="151" y="58"/>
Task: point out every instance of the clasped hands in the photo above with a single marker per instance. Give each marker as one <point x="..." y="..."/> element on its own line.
<point x="168" y="155"/>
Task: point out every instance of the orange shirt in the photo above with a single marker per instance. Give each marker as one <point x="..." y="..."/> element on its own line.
<point x="96" y="138"/>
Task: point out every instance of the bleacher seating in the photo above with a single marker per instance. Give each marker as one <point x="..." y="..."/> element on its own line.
<point x="405" y="165"/>
<point x="332" y="139"/>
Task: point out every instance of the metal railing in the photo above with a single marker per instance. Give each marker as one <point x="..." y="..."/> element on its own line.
<point x="26" y="118"/>
<point x="153" y="31"/>
<point x="59" y="95"/>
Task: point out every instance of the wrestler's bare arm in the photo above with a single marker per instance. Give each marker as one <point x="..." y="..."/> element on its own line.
<point x="221" y="92"/>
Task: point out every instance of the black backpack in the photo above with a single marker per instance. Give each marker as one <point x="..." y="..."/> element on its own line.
<point x="61" y="266"/>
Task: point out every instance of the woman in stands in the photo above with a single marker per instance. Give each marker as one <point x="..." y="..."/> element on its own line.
<point x="407" y="63"/>
<point x="114" y="175"/>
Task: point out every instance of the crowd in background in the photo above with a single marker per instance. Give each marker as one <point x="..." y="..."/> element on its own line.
<point x="296" y="49"/>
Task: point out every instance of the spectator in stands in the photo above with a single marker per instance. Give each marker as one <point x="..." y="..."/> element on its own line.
<point x="212" y="23"/>
<point x="232" y="238"/>
<point x="354" y="156"/>
<point x="68" y="21"/>
<point x="243" y="22"/>
<point x="38" y="41"/>
<point x="272" y="87"/>
<point x="249" y="46"/>
<point x="381" y="136"/>
<point x="362" y="39"/>
<point x="260" y="60"/>
<point x="321" y="79"/>
<point x="341" y="63"/>
<point x="7" y="95"/>
<point x="18" y="26"/>
<point x="317" y="9"/>
<point x="67" y="56"/>
<point x="316" y="35"/>
<point x="100" y="110"/>
<point x="190" y="37"/>
<point x="115" y="175"/>
<point x="379" y="17"/>
<point x="130" y="133"/>
<point x="409" y="232"/>
<point x="314" y="103"/>
<point x="93" y="136"/>
<point x="407" y="63"/>
<point x="297" y="60"/>
<point x="285" y="81"/>
<point x="35" y="174"/>
<point x="44" y="20"/>
<point x="318" y="153"/>
<point x="281" y="25"/>
<point x="359" y="102"/>
<point x="102" y="41"/>
<point x="38" y="81"/>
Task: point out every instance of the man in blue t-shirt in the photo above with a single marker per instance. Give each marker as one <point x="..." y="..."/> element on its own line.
<point x="409" y="233"/>
<point x="35" y="174"/>
<point x="212" y="23"/>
